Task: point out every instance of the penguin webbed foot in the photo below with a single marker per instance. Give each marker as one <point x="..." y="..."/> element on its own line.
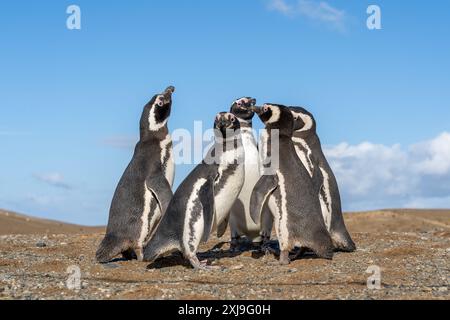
<point x="129" y="255"/>
<point x="202" y="265"/>
<point x="234" y="244"/>
<point x="267" y="248"/>
<point x="284" y="258"/>
<point x="298" y="253"/>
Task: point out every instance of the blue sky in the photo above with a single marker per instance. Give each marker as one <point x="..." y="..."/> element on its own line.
<point x="70" y="100"/>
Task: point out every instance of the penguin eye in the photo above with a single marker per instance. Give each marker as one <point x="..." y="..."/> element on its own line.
<point x="265" y="109"/>
<point x="233" y="118"/>
<point x="160" y="103"/>
<point x="239" y="103"/>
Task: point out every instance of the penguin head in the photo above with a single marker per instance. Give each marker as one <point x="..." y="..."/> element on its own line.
<point x="304" y="121"/>
<point x="226" y="125"/>
<point x="157" y="111"/>
<point x="276" y="116"/>
<point x="242" y="108"/>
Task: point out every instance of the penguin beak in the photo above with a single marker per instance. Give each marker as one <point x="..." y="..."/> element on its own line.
<point x="168" y="93"/>
<point x="222" y="124"/>
<point x="257" y="110"/>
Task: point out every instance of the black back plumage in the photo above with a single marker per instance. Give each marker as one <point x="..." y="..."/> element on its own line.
<point x="292" y="186"/>
<point x="144" y="170"/>
<point x="341" y="237"/>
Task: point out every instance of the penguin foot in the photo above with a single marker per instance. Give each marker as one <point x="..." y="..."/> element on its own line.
<point x="268" y="250"/>
<point x="284" y="258"/>
<point x="207" y="267"/>
<point x="139" y="254"/>
<point x="235" y="249"/>
<point x="202" y="265"/>
<point x="298" y="253"/>
<point x="234" y="244"/>
<point x="282" y="261"/>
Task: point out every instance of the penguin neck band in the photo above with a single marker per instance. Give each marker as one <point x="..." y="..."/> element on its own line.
<point x="245" y="123"/>
<point x="301" y="134"/>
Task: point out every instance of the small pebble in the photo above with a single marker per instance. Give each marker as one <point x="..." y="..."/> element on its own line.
<point x="110" y="266"/>
<point x="41" y="244"/>
<point x="237" y="267"/>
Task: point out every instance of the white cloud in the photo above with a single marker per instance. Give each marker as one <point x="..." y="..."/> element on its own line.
<point x="318" y="11"/>
<point x="435" y="155"/>
<point x="282" y="7"/>
<point x="377" y="176"/>
<point x="54" y="179"/>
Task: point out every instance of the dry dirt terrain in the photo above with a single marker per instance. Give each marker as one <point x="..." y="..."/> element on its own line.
<point x="13" y="223"/>
<point x="411" y="248"/>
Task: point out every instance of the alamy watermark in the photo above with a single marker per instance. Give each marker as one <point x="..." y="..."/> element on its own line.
<point x="73" y="22"/>
<point x="374" y="19"/>
<point x="374" y="281"/>
<point x="73" y="281"/>
<point x="194" y="148"/>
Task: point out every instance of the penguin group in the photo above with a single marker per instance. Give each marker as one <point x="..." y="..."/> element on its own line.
<point x="284" y="182"/>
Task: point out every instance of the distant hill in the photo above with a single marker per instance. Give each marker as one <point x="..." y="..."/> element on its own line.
<point x="370" y="221"/>
<point x="399" y="220"/>
<point x="14" y="223"/>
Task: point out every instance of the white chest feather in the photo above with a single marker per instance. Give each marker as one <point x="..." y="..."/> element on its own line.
<point x="193" y="224"/>
<point x="283" y="217"/>
<point x="263" y="149"/>
<point x="167" y="159"/>
<point x="153" y="124"/>
<point x="146" y="223"/>
<point x="278" y="206"/>
<point x="243" y="221"/>
<point x="252" y="174"/>
<point x="304" y="153"/>
<point x="325" y="199"/>
<point x="228" y="194"/>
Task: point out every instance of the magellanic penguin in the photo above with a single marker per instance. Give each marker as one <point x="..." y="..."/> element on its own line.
<point x="203" y="200"/>
<point x="289" y="190"/>
<point x="241" y="223"/>
<point x="145" y="189"/>
<point x="309" y="150"/>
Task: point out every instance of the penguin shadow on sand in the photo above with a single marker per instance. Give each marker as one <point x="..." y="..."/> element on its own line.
<point x="219" y="252"/>
<point x="272" y="248"/>
<point x="213" y="255"/>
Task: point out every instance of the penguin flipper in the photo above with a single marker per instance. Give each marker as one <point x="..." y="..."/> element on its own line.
<point x="266" y="223"/>
<point x="317" y="180"/>
<point x="317" y="177"/>
<point x="161" y="190"/>
<point x="206" y="196"/>
<point x="223" y="227"/>
<point x="265" y="186"/>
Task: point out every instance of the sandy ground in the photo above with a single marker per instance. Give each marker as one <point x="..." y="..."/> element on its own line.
<point x="13" y="223"/>
<point x="411" y="248"/>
